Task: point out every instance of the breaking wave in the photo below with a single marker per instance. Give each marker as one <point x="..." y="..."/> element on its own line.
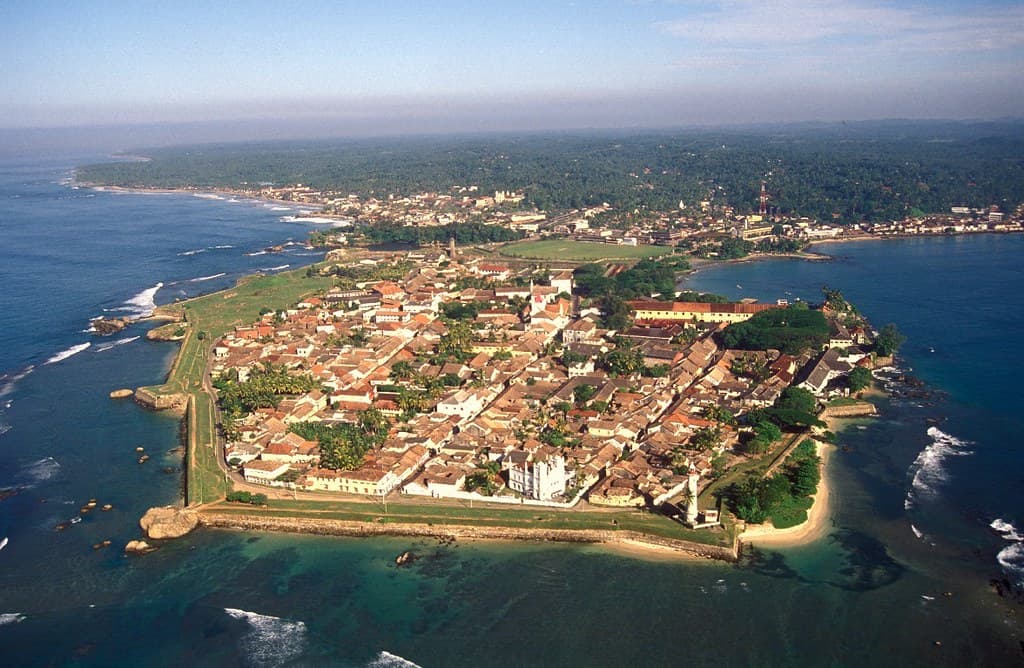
<point x="197" y="251"/>
<point x="64" y="354"/>
<point x="316" y="220"/>
<point x="270" y="641"/>
<point x="8" y="381"/>
<point x="113" y="344"/>
<point x="11" y="618"/>
<point x="143" y="304"/>
<point x="262" y="252"/>
<point x="283" y="266"/>
<point x="1011" y="557"/>
<point x="388" y="660"/>
<point x="206" y="278"/>
<point x="928" y="472"/>
<point x="1006" y="530"/>
<point x="207" y="196"/>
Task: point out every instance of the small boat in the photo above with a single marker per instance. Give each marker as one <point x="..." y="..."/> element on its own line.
<point x="143" y="459"/>
<point x="3" y="543"/>
<point x="76" y="520"/>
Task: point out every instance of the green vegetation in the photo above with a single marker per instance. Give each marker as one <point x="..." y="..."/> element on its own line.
<point x="785" y="496"/>
<point x="869" y="171"/>
<point x="888" y="340"/>
<point x="246" y="497"/>
<point x="463" y="233"/>
<point x="859" y="378"/>
<point x="263" y="389"/>
<point x="585" y="251"/>
<point x="643" y="279"/>
<point x="791" y="330"/>
<point x="796" y="408"/>
<point x="344" y="446"/>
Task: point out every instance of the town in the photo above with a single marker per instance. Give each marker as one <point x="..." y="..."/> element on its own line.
<point x="444" y="373"/>
<point x="705" y="228"/>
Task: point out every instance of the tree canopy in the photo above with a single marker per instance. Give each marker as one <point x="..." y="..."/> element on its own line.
<point x="791" y="330"/>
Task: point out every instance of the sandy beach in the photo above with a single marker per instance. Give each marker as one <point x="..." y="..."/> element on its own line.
<point x="818" y="517"/>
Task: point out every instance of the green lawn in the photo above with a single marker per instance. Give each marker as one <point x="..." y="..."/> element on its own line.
<point x="565" y="249"/>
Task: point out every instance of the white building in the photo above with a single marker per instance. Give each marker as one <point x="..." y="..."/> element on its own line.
<point x="540" y="479"/>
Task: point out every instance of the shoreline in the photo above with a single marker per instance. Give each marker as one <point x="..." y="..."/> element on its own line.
<point x="818" y="520"/>
<point x="215" y="194"/>
<point x="627" y="542"/>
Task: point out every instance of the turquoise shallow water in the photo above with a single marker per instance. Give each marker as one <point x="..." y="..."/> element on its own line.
<point x="856" y="597"/>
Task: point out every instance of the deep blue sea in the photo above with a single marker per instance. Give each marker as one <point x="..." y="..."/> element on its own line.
<point x="907" y="562"/>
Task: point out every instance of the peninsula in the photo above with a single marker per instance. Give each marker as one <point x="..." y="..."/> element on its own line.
<point x="453" y="392"/>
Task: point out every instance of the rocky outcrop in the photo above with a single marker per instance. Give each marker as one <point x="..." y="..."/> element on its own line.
<point x="168" y="522"/>
<point x="161" y="402"/>
<point x="175" y="331"/>
<point x="106" y="326"/>
<point x="121" y="394"/>
<point x="138" y="547"/>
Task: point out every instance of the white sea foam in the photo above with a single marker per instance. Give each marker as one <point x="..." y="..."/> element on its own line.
<point x="222" y="246"/>
<point x="316" y="220"/>
<point x="9" y="381"/>
<point x="40" y="470"/>
<point x="207" y="196"/>
<point x="113" y="344"/>
<point x="206" y="278"/>
<point x="283" y="266"/>
<point x="1011" y="558"/>
<point x="928" y="472"/>
<point x="262" y="252"/>
<point x="64" y="354"/>
<point x="142" y="304"/>
<point x="1006" y="530"/>
<point x="11" y="618"/>
<point x="280" y="208"/>
<point x="271" y="641"/>
<point x="192" y="252"/>
<point x="388" y="660"/>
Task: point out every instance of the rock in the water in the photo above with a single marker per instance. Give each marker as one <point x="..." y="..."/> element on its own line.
<point x="105" y="326"/>
<point x="137" y="547"/>
<point x="122" y="394"/>
<point x="168" y="522"/>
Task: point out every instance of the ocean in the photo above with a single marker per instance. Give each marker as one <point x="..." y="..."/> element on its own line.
<point x="927" y="507"/>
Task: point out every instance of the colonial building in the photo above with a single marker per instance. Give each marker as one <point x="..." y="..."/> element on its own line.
<point x="536" y="476"/>
<point x="695" y="311"/>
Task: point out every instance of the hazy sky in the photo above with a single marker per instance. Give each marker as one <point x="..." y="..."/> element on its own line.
<point x="514" y="65"/>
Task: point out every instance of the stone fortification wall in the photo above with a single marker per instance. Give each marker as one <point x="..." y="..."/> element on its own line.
<point x="326" y="527"/>
<point x="859" y="409"/>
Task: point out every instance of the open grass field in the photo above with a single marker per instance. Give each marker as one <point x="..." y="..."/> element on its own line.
<point x="584" y="251"/>
<point x="405" y="511"/>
